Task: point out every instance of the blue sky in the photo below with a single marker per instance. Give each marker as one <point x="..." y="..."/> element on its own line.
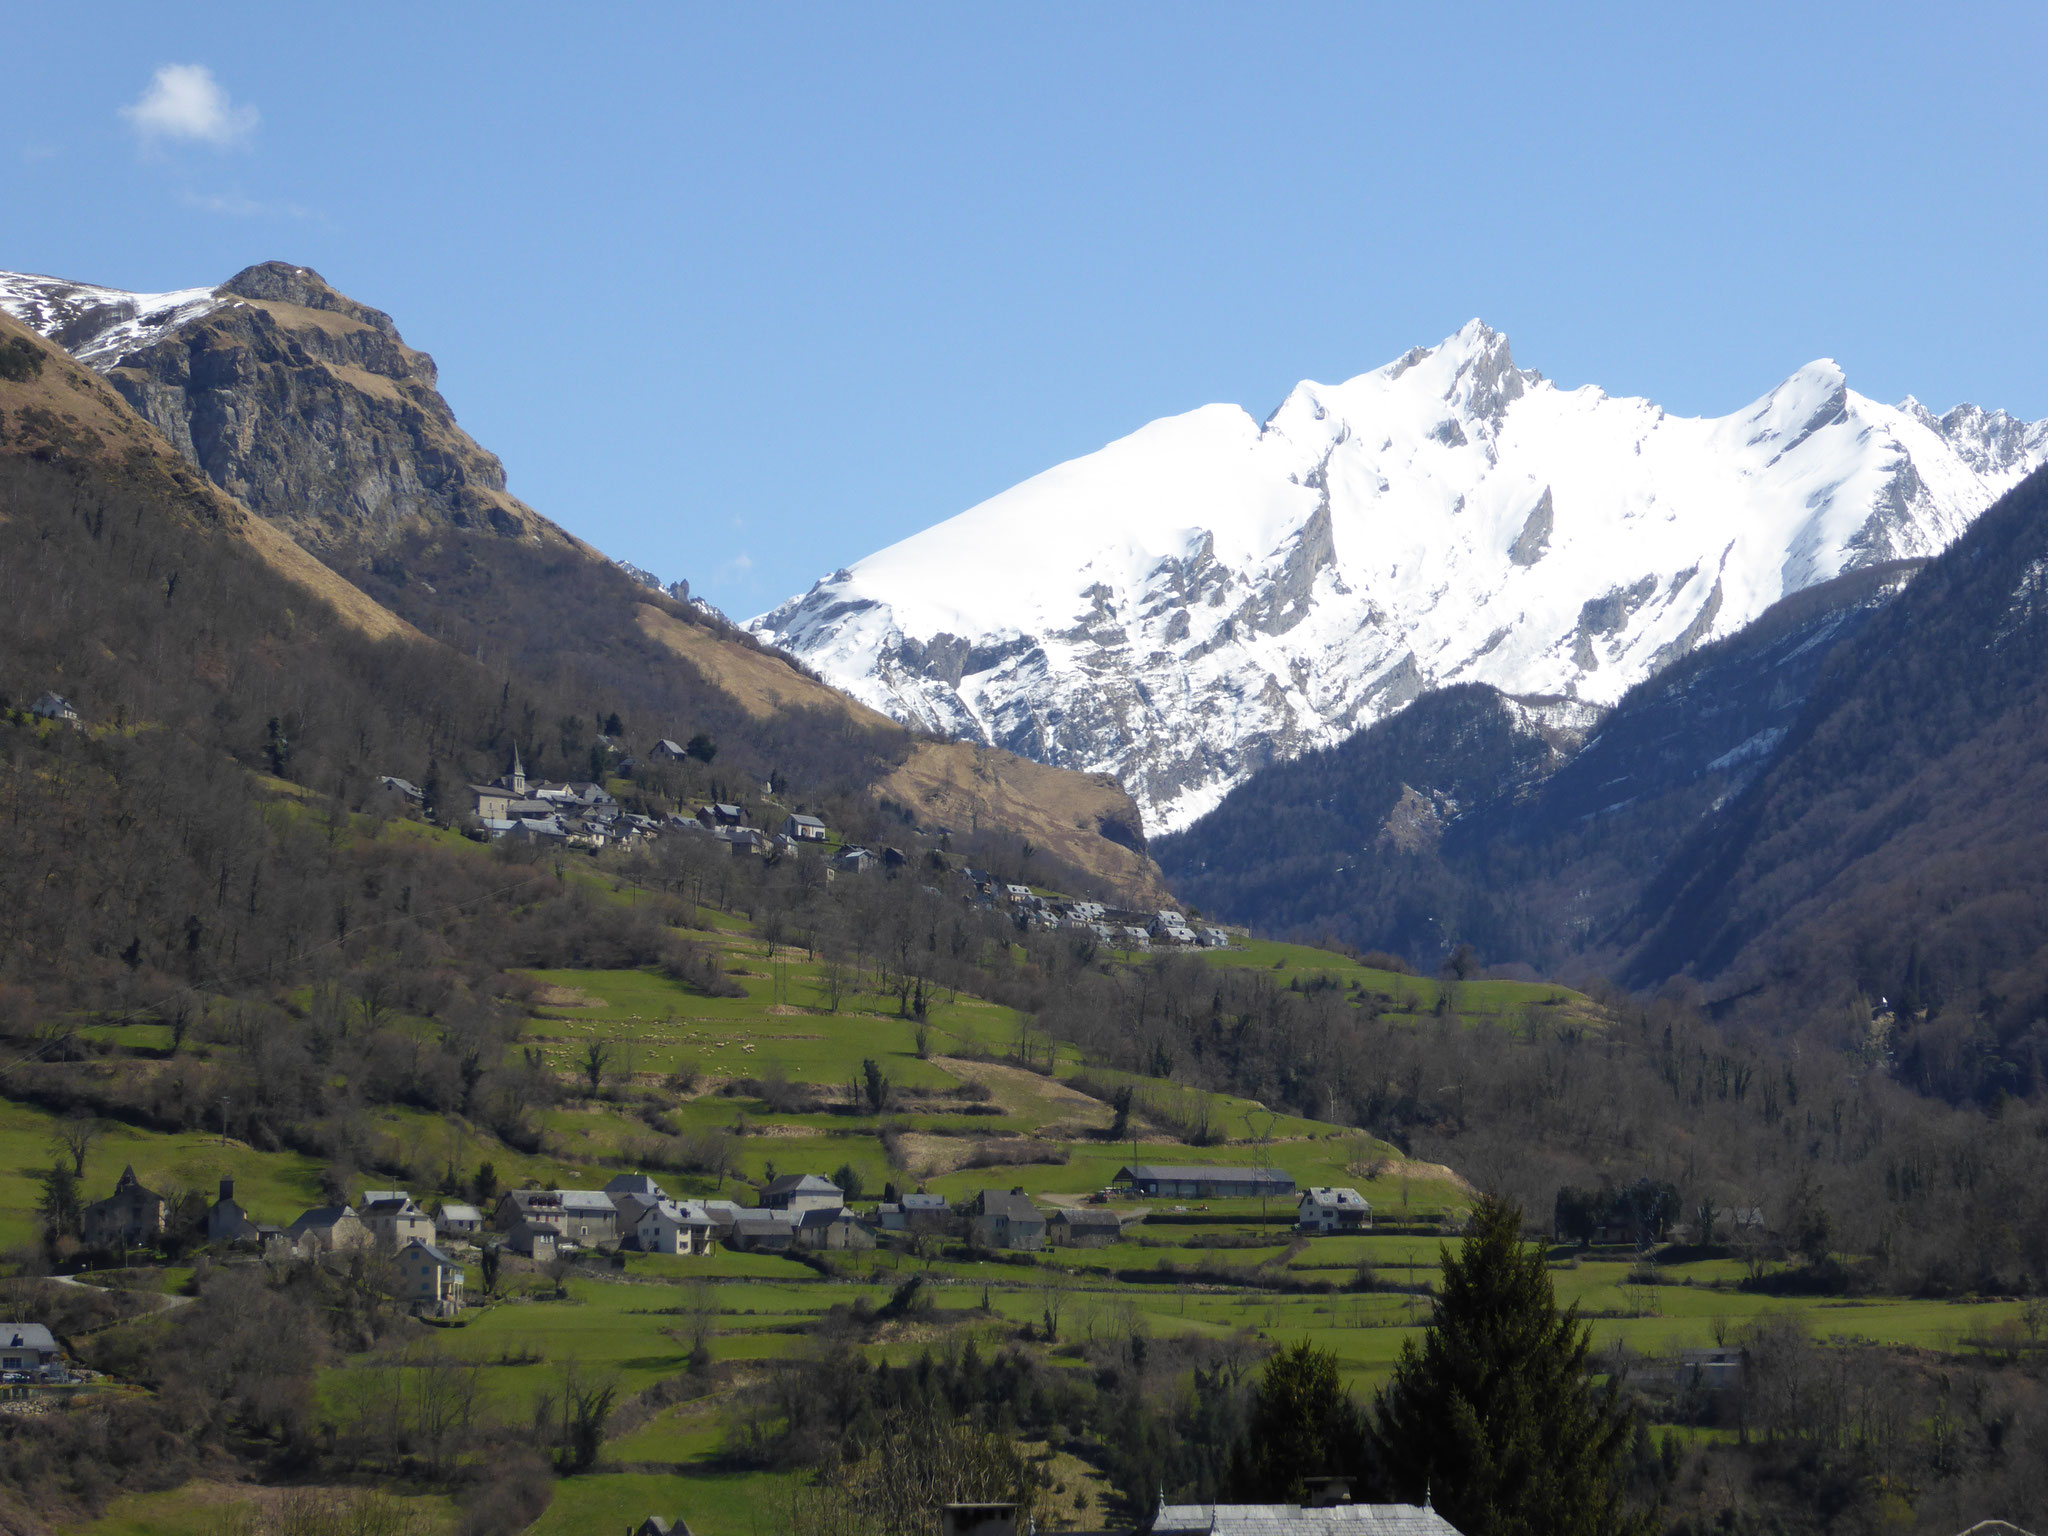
<point x="744" y="293"/>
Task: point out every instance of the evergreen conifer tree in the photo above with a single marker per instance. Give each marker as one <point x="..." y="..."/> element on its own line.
<point x="1495" y="1417"/>
<point x="1302" y="1424"/>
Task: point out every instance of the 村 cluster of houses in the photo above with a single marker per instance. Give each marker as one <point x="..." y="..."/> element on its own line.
<point x="584" y="814"/>
<point x="796" y="1211"/>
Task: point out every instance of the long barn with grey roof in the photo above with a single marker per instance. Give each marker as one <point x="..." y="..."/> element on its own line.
<point x="1161" y="1181"/>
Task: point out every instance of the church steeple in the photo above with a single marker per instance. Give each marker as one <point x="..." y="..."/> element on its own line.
<point x="516" y="779"/>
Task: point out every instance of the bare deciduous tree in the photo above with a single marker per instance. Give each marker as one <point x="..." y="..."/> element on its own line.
<point x="75" y="1136"/>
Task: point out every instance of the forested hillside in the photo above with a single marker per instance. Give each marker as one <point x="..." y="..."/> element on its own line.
<point x="1886" y="867"/>
<point x="1832" y="815"/>
<point x="1507" y="824"/>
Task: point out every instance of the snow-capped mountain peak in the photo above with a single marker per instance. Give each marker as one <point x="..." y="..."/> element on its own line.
<point x="1212" y="592"/>
<point x="98" y="325"/>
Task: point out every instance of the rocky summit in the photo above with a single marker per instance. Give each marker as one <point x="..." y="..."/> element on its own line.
<point x="303" y="403"/>
<point x="1214" y="593"/>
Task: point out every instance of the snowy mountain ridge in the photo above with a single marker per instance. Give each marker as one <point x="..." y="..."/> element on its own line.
<point x="1212" y="593"/>
<point x="97" y="325"/>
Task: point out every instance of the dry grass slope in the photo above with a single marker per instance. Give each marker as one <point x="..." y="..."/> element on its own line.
<point x="963" y="785"/>
<point x="763" y="684"/>
<point x="954" y="783"/>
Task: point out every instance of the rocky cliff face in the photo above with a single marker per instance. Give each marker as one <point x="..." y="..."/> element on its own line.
<point x="1215" y="593"/>
<point x="306" y="405"/>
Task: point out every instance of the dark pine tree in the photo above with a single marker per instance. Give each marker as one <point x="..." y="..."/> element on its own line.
<point x="1495" y="1417"/>
<point x="1302" y="1424"/>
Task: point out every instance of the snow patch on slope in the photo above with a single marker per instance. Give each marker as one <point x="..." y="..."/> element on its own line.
<point x="97" y="325"/>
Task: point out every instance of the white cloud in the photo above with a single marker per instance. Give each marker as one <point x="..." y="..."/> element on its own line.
<point x="184" y="101"/>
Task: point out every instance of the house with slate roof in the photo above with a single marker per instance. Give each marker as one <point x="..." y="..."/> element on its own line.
<point x="802" y="1192"/>
<point x="394" y="1220"/>
<point x="54" y="706"/>
<point x="31" y="1349"/>
<point x="1333" y="1210"/>
<point x="1084" y="1226"/>
<point x="328" y="1229"/>
<point x="1006" y="1219"/>
<point x="428" y="1280"/>
<point x="458" y="1221"/>
<point x="668" y="1226"/>
<point x="131" y="1217"/>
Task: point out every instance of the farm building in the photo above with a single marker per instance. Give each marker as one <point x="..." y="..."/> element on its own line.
<point x="1085" y="1227"/>
<point x="1199" y="1182"/>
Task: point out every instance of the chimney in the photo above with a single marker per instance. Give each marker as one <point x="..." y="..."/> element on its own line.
<point x="227" y="1190"/>
<point x="1327" y="1492"/>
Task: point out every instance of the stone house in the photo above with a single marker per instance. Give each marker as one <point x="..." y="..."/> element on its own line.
<point x="1084" y="1226"/>
<point x="535" y="1240"/>
<point x="328" y="1229"/>
<point x="915" y="1213"/>
<point x="802" y="1192"/>
<point x="458" y="1221"/>
<point x="832" y="1227"/>
<point x="633" y="1196"/>
<point x="1006" y="1219"/>
<point x="585" y="1216"/>
<point x="131" y="1217"/>
<point x="394" y="1220"/>
<point x="227" y="1222"/>
<point x="771" y="1231"/>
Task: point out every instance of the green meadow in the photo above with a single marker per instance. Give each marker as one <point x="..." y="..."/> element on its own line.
<point x="775" y="1076"/>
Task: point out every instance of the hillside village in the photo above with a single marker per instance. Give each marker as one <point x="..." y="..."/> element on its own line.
<point x="585" y="815"/>
<point x="428" y="1246"/>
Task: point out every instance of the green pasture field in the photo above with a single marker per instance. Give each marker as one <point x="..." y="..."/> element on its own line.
<point x="276" y="1185"/>
<point x="672" y="1027"/>
<point x="1420" y="994"/>
<point x="1178" y="1273"/>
